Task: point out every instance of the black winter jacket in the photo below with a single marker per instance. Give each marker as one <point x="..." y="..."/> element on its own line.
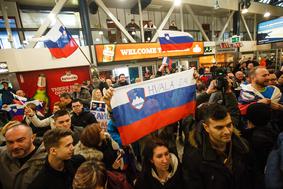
<point x="204" y="169"/>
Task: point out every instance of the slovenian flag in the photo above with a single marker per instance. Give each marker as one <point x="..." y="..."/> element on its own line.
<point x="175" y="40"/>
<point x="143" y="108"/>
<point x="17" y="110"/>
<point x="60" y="42"/>
<point x="168" y="62"/>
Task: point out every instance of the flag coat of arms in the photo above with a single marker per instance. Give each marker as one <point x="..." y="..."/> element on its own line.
<point x="142" y="108"/>
<point x="60" y="42"/>
<point x="175" y="40"/>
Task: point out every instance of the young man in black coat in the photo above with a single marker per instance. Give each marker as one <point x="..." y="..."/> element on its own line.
<point x="216" y="157"/>
<point x="61" y="165"/>
<point x="81" y="117"/>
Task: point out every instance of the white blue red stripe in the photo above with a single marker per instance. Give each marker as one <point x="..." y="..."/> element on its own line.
<point x="60" y="42"/>
<point x="175" y="40"/>
<point x="142" y="108"/>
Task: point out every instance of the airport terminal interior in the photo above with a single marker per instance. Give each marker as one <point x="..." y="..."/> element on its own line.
<point x="141" y="94"/>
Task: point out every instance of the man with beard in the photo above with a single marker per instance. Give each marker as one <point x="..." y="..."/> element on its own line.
<point x="259" y="91"/>
<point x="60" y="165"/>
<point x="20" y="159"/>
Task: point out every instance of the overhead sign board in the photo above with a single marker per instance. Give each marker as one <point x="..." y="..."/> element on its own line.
<point x="137" y="51"/>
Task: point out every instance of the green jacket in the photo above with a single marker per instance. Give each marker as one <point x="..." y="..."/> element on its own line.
<point x="14" y="176"/>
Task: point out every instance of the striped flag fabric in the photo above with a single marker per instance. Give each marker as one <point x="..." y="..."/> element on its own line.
<point x="175" y="40"/>
<point x="143" y="108"/>
<point x="17" y="110"/>
<point x="167" y="61"/>
<point x="60" y="42"/>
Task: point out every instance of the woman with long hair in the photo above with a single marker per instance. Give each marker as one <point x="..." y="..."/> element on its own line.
<point x="161" y="169"/>
<point x="97" y="95"/>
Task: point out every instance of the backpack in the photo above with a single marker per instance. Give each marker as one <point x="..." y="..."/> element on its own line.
<point x="117" y="180"/>
<point x="274" y="167"/>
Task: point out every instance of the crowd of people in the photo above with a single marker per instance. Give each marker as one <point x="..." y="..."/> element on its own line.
<point x="233" y="141"/>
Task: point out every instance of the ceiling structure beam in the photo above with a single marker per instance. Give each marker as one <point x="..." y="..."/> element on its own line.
<point x="55" y="11"/>
<point x="46" y="8"/>
<point x="225" y="26"/>
<point x="141" y="20"/>
<point x="182" y="17"/>
<point x="7" y="24"/>
<point x="163" y="23"/>
<point x="190" y="10"/>
<point x="115" y="20"/>
<point x="246" y="26"/>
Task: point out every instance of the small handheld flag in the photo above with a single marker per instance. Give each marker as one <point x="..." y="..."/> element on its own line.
<point x="175" y="40"/>
<point x="168" y="62"/>
<point x="60" y="42"/>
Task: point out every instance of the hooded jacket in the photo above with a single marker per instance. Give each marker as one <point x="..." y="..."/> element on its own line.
<point x="203" y="168"/>
<point x="14" y="176"/>
<point x="150" y="180"/>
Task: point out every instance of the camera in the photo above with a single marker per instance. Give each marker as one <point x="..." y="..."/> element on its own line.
<point x="219" y="74"/>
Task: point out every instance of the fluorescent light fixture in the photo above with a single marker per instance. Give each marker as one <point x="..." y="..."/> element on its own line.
<point x="100" y="32"/>
<point x="177" y="2"/>
<point x="245" y="11"/>
<point x="266" y="14"/>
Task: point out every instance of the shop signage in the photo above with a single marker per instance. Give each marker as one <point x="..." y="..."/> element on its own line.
<point x="226" y="45"/>
<point x="126" y="52"/>
<point x="68" y="77"/>
<point x="235" y="39"/>
<point x="209" y="47"/>
<point x="58" y="81"/>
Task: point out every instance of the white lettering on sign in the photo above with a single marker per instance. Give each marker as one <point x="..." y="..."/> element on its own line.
<point x="126" y="52"/>
<point x="69" y="77"/>
<point x="60" y="90"/>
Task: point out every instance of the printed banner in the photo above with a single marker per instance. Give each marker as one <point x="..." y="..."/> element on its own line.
<point x="122" y="52"/>
<point x="142" y="108"/>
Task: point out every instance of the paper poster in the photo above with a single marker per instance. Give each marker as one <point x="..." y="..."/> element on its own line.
<point x="99" y="109"/>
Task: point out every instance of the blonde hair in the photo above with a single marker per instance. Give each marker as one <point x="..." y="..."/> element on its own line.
<point x="12" y="124"/>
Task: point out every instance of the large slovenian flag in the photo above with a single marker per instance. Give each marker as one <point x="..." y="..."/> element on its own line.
<point x="60" y="42"/>
<point x="142" y="108"/>
<point x="175" y="40"/>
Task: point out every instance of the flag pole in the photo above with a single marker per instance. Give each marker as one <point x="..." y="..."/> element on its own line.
<point x="90" y="63"/>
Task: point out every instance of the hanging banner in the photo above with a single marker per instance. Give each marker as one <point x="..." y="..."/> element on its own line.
<point x="124" y="52"/>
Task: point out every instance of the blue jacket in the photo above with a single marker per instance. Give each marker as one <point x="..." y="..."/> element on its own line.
<point x="274" y="166"/>
<point x="7" y="97"/>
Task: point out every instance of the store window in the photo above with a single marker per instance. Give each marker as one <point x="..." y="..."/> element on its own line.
<point x="4" y="43"/>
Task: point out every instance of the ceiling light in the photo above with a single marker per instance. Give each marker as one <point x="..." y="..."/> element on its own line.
<point x="266" y="14"/>
<point x="177" y="2"/>
<point x="97" y="39"/>
<point x="100" y="32"/>
<point x="245" y="11"/>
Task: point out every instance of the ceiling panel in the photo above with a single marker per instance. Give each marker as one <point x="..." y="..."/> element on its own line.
<point x="74" y="3"/>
